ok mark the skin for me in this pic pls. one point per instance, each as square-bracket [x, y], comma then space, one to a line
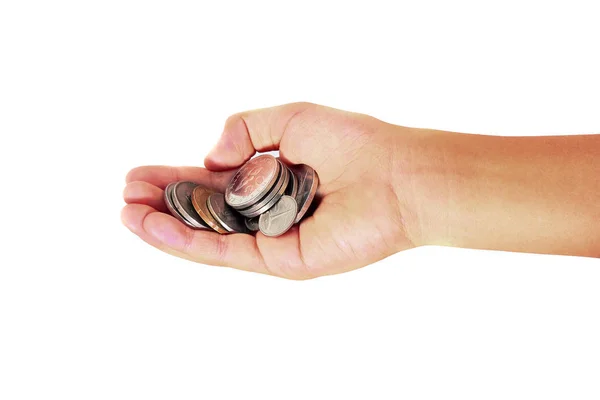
[385, 188]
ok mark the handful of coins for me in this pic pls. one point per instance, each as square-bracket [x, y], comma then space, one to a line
[264, 194]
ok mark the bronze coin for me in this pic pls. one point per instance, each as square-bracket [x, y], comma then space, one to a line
[199, 200]
[272, 197]
[308, 181]
[252, 181]
[224, 214]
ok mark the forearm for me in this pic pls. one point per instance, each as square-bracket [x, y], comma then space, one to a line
[526, 194]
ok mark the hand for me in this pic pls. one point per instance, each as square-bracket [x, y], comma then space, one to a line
[359, 219]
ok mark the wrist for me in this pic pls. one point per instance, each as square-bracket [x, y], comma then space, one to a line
[424, 175]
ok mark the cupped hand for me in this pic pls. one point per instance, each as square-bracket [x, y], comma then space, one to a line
[360, 217]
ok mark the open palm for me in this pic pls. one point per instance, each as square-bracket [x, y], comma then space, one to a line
[359, 218]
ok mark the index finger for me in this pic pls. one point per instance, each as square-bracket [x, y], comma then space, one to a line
[262, 130]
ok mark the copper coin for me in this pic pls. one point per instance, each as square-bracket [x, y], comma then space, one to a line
[199, 200]
[279, 219]
[181, 195]
[266, 207]
[261, 202]
[308, 182]
[224, 214]
[272, 197]
[252, 181]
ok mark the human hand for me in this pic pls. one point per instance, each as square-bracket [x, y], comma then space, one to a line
[359, 219]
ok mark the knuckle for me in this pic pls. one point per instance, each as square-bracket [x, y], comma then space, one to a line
[246, 123]
[302, 105]
[233, 119]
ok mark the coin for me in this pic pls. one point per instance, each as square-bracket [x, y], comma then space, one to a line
[224, 214]
[181, 195]
[279, 219]
[252, 181]
[169, 203]
[271, 198]
[270, 204]
[292, 188]
[267, 197]
[252, 224]
[169, 200]
[200, 197]
[308, 181]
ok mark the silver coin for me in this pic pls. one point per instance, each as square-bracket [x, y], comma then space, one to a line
[171, 207]
[169, 200]
[279, 219]
[264, 207]
[182, 200]
[292, 188]
[252, 224]
[224, 214]
[267, 206]
[271, 198]
[308, 181]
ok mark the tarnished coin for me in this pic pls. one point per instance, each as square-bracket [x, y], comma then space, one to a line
[224, 214]
[181, 195]
[279, 219]
[199, 200]
[270, 199]
[292, 188]
[252, 181]
[252, 224]
[308, 181]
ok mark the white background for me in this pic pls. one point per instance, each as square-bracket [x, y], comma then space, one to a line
[90, 89]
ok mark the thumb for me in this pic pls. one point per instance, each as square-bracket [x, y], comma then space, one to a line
[261, 130]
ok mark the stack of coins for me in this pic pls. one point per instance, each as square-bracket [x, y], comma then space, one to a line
[264, 194]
